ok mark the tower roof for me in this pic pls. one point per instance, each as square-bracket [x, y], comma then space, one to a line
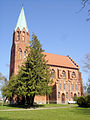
[21, 23]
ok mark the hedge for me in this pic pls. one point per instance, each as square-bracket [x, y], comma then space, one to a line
[83, 101]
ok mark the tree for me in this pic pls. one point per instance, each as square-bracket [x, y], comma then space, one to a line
[33, 77]
[86, 69]
[35, 72]
[3, 80]
[84, 4]
[9, 89]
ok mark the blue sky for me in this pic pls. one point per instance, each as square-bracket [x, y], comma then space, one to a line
[60, 29]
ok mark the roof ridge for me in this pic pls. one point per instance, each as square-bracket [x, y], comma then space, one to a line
[56, 54]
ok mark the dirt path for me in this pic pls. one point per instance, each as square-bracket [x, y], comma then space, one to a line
[35, 108]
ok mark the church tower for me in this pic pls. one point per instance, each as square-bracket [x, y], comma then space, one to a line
[20, 42]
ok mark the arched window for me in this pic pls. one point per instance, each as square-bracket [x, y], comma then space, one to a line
[64, 73]
[61, 86]
[20, 54]
[76, 87]
[58, 94]
[72, 87]
[18, 35]
[24, 54]
[52, 74]
[71, 95]
[23, 35]
[66, 94]
[64, 87]
[73, 74]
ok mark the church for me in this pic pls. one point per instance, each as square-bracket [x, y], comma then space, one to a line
[67, 81]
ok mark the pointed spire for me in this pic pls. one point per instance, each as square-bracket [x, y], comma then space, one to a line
[21, 23]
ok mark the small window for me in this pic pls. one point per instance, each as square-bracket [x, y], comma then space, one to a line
[20, 54]
[52, 74]
[73, 74]
[66, 94]
[64, 87]
[18, 36]
[58, 94]
[64, 73]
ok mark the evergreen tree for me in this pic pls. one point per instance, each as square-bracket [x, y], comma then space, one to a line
[35, 73]
[34, 77]
[9, 89]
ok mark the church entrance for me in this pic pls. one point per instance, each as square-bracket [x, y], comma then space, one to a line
[63, 98]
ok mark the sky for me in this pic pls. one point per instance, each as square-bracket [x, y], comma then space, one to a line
[58, 24]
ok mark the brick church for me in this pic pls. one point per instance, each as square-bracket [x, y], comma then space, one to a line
[67, 81]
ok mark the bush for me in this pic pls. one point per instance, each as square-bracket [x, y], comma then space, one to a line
[88, 101]
[84, 101]
[81, 101]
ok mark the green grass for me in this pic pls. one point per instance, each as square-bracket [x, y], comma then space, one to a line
[70, 113]
[4, 107]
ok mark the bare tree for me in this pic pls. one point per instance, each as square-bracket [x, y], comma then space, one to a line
[86, 69]
[86, 3]
[3, 80]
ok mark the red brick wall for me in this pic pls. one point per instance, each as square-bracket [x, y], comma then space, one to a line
[18, 45]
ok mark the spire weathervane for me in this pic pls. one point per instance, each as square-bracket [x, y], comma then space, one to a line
[21, 2]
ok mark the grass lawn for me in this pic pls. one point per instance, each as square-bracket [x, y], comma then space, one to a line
[70, 113]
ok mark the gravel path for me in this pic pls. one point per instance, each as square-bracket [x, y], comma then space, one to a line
[34, 109]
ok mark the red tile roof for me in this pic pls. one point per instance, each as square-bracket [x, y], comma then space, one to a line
[58, 60]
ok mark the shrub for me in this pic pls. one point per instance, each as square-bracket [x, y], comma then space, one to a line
[81, 101]
[84, 101]
[88, 100]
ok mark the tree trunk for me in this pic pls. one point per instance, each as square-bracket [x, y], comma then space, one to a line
[23, 100]
[27, 100]
[32, 100]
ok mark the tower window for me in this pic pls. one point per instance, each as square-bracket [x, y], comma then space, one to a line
[23, 35]
[18, 36]
[20, 54]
